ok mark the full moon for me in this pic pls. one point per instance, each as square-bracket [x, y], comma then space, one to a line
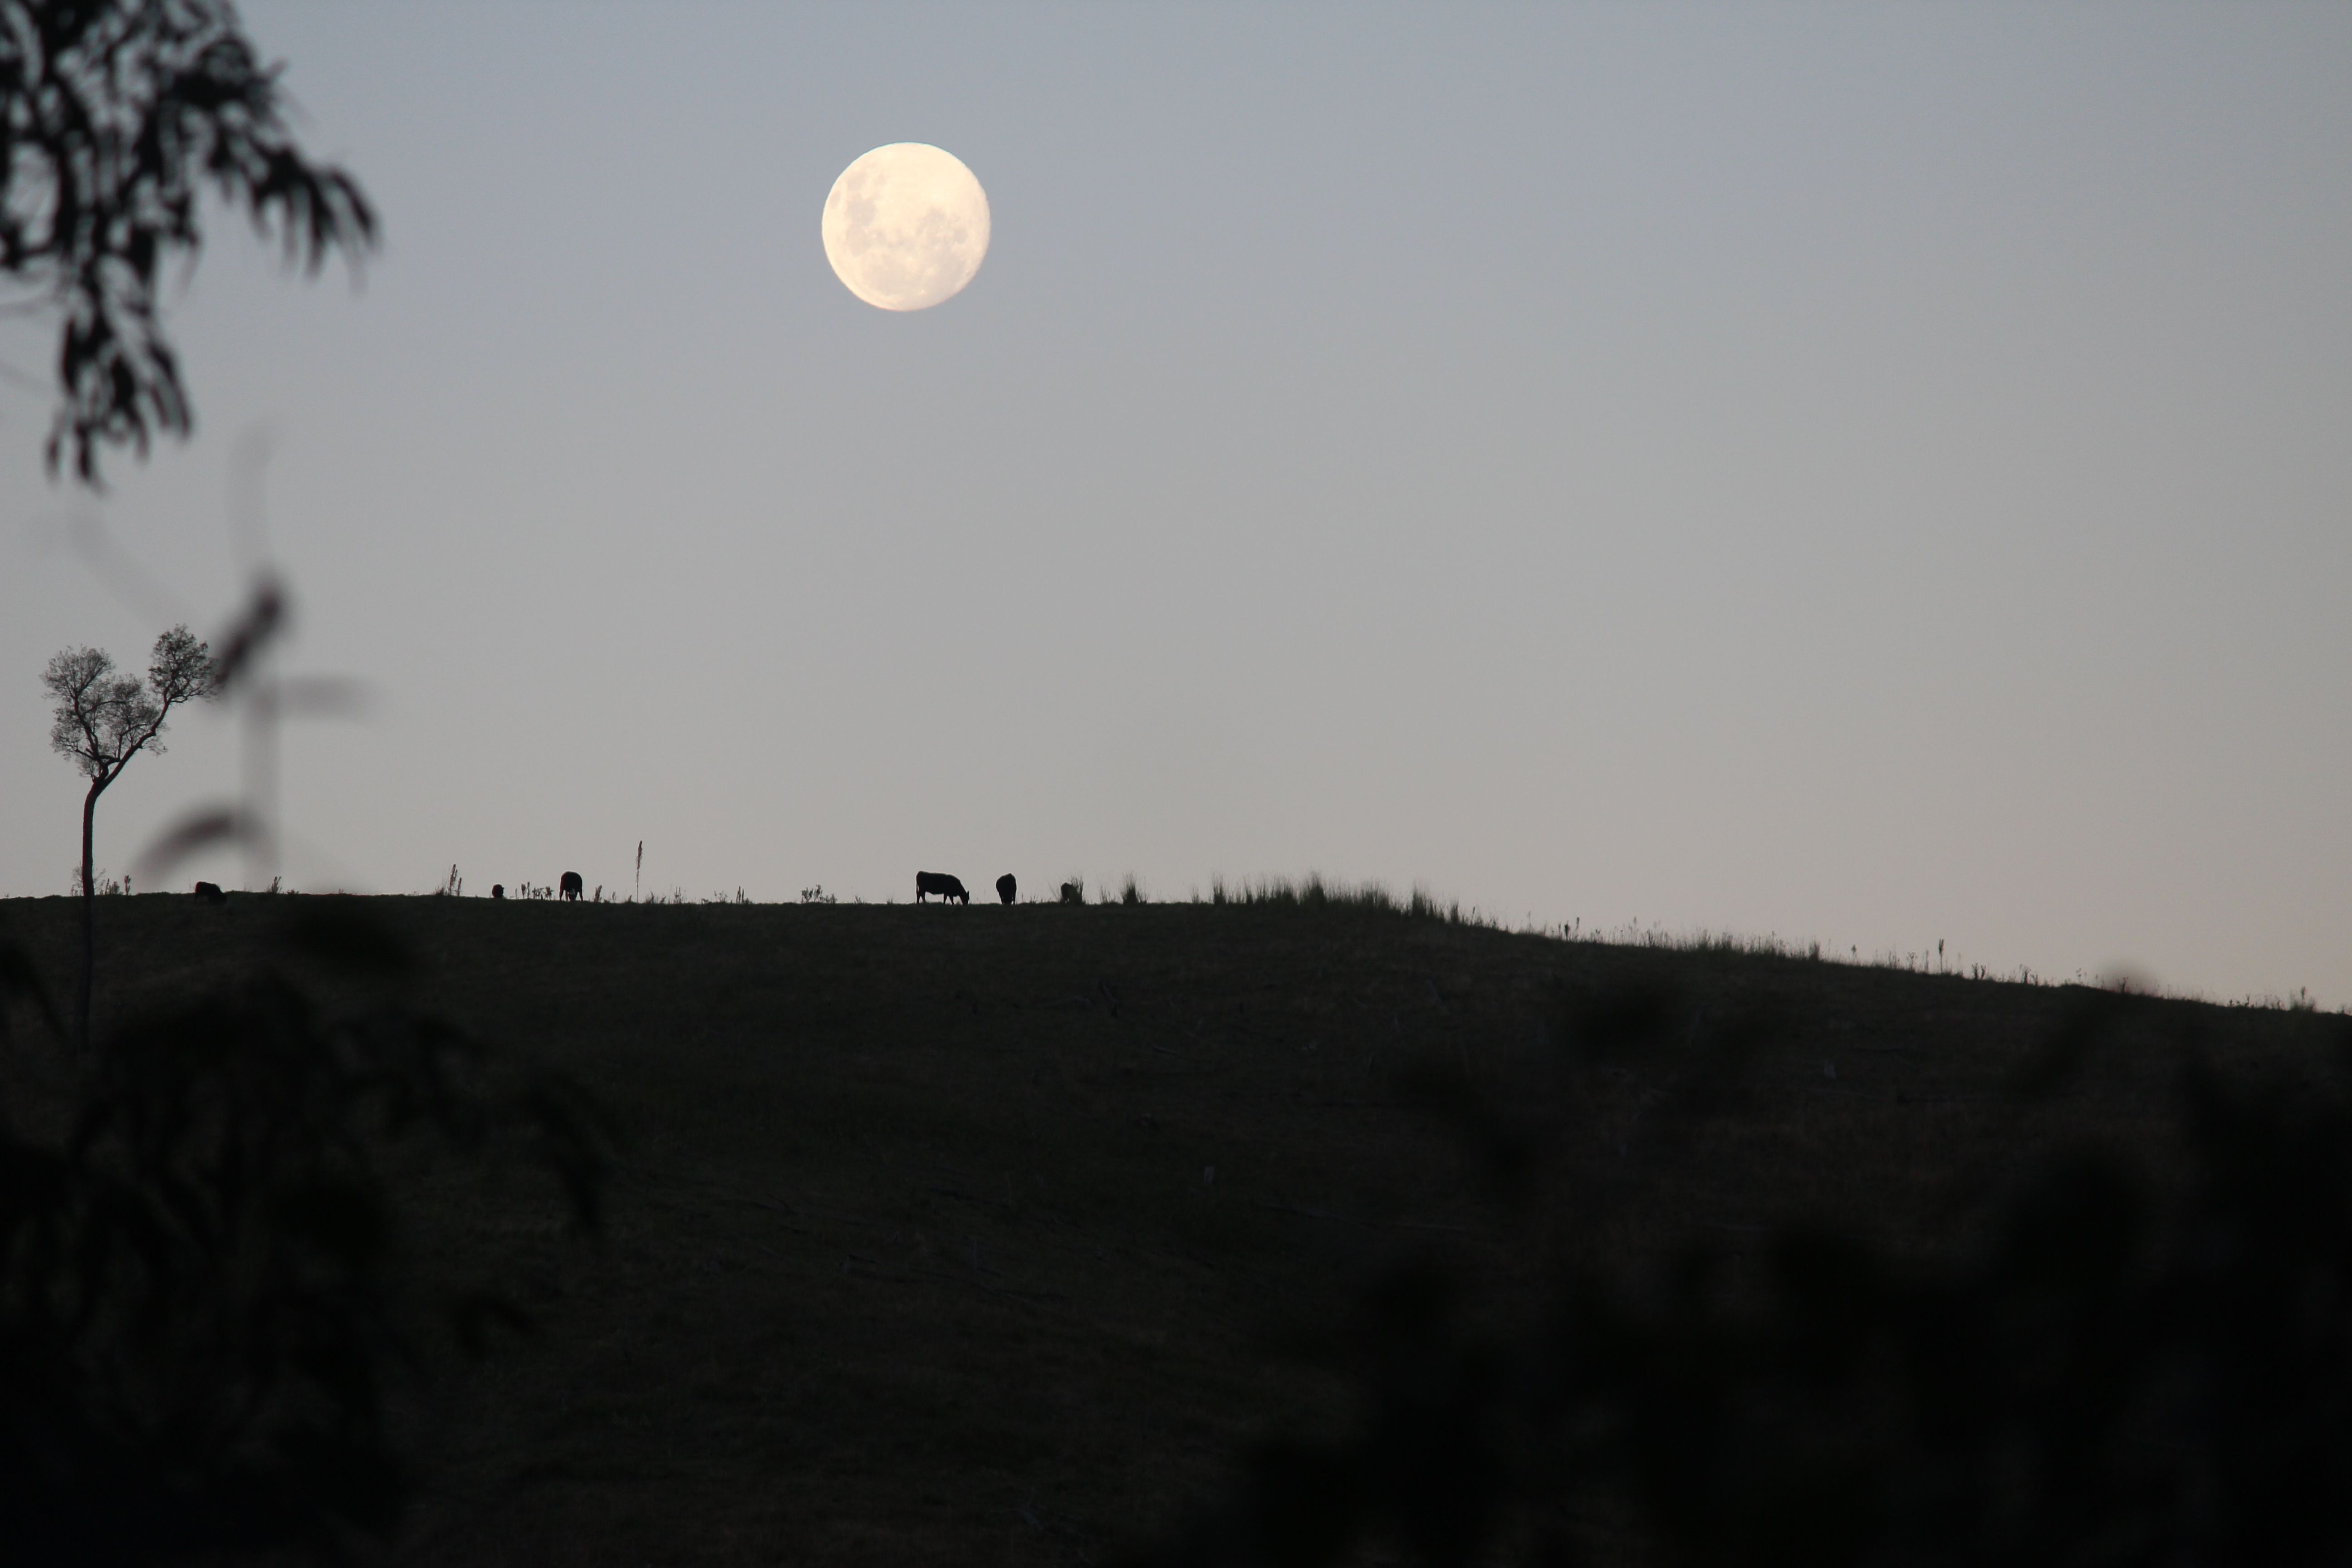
[906, 226]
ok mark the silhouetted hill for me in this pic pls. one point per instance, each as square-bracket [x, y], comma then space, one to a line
[994, 1234]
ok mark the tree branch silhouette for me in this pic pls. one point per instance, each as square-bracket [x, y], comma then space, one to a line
[115, 117]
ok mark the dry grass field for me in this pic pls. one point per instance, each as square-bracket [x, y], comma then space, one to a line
[996, 1235]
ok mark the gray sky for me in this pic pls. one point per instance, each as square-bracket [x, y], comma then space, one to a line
[1865, 474]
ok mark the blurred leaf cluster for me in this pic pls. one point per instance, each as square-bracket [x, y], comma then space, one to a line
[115, 116]
[213, 1325]
[2120, 1362]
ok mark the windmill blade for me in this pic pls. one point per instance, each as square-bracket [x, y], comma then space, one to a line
[198, 830]
[320, 696]
[263, 619]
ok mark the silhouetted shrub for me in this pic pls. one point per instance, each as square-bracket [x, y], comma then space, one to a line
[2128, 1364]
[1313, 893]
[209, 1309]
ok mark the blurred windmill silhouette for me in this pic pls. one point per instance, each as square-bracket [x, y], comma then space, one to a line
[244, 664]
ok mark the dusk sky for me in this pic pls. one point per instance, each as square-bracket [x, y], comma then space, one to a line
[1867, 474]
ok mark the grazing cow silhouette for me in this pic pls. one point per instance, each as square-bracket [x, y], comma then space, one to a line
[1005, 888]
[498, 889]
[570, 885]
[939, 883]
[210, 892]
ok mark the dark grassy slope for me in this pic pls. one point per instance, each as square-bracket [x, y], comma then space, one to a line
[912, 1256]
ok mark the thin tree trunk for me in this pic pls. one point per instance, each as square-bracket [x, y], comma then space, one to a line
[89, 911]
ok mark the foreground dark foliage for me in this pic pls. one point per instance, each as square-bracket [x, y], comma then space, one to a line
[210, 1310]
[2131, 1362]
[115, 116]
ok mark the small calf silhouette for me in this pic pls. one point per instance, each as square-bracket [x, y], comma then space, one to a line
[1073, 894]
[210, 893]
[498, 889]
[939, 883]
[570, 887]
[1005, 888]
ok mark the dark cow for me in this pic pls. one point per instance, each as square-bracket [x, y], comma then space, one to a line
[210, 892]
[1074, 893]
[1005, 888]
[498, 889]
[570, 885]
[939, 883]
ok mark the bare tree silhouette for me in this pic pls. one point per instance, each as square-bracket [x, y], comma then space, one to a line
[103, 721]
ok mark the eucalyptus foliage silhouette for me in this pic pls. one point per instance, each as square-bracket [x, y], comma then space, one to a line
[115, 115]
[210, 1304]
